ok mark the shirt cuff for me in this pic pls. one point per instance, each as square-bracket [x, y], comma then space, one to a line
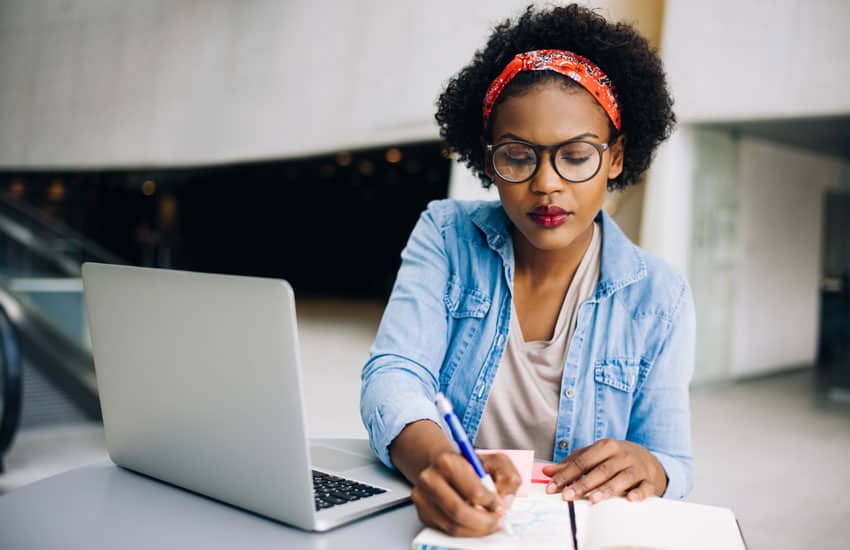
[390, 418]
[678, 476]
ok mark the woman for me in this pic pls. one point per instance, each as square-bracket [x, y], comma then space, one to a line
[542, 323]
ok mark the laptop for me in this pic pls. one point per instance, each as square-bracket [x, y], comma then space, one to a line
[199, 378]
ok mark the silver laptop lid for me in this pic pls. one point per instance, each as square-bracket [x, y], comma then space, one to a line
[200, 384]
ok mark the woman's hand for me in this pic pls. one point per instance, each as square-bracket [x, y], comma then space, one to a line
[449, 495]
[608, 468]
[447, 492]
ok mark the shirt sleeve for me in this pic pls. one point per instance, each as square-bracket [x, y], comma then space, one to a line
[400, 379]
[660, 416]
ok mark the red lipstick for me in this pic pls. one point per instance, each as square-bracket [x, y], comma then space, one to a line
[549, 216]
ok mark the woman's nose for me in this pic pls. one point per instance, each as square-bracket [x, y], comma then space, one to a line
[546, 180]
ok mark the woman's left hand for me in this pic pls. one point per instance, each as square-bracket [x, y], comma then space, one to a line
[605, 469]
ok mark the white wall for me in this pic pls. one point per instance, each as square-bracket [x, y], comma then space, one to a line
[733, 59]
[464, 185]
[777, 311]
[755, 232]
[666, 221]
[99, 83]
[712, 243]
[747, 221]
[162, 82]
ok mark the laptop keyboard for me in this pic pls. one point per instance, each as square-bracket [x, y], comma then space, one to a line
[331, 490]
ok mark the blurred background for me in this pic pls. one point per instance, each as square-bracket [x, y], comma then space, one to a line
[207, 135]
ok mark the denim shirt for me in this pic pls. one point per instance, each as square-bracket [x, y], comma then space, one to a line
[627, 368]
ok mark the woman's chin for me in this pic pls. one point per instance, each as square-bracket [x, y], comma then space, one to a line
[550, 240]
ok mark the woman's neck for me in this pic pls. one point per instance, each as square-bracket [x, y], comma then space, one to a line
[539, 267]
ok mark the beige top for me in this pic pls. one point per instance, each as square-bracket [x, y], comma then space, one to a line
[522, 409]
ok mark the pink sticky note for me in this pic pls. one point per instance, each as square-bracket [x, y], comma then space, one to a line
[537, 475]
[522, 459]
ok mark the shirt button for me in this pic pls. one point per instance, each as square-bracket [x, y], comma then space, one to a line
[563, 445]
[570, 392]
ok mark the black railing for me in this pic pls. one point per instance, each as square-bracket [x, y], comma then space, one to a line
[26, 333]
[49, 239]
[62, 360]
[10, 372]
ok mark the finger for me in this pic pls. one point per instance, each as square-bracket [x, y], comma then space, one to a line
[434, 517]
[504, 473]
[643, 491]
[438, 493]
[615, 486]
[600, 474]
[573, 467]
[552, 469]
[581, 462]
[459, 474]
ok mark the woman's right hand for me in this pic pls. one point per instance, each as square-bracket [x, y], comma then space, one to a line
[449, 495]
[446, 491]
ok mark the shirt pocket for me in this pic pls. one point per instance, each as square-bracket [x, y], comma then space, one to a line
[615, 381]
[464, 302]
[466, 308]
[619, 373]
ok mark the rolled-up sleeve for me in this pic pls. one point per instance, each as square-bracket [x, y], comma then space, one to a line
[660, 416]
[400, 379]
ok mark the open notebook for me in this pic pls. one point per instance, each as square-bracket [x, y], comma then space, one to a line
[541, 521]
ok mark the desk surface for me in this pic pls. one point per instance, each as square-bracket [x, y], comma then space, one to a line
[104, 506]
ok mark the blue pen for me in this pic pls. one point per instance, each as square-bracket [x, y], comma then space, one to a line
[444, 407]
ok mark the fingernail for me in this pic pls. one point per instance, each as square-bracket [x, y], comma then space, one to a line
[633, 497]
[552, 487]
[568, 493]
[594, 496]
[509, 500]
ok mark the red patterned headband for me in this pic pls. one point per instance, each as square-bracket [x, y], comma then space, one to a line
[569, 64]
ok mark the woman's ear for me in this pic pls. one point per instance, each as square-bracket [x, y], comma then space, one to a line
[617, 152]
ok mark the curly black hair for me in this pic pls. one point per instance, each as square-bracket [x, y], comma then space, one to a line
[625, 56]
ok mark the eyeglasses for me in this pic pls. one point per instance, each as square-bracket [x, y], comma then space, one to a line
[574, 160]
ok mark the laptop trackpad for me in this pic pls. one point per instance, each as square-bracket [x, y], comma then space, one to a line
[337, 460]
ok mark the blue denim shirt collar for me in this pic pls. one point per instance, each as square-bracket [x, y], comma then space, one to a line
[622, 261]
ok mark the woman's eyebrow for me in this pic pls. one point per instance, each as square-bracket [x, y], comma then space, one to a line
[514, 136]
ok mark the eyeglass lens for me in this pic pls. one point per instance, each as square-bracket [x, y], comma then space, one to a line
[575, 161]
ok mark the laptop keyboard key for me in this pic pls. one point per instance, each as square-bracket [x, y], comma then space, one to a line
[329, 490]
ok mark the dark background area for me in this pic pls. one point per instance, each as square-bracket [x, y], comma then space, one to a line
[332, 225]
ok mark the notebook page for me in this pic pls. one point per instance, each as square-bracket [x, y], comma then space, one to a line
[539, 522]
[659, 524]
[582, 508]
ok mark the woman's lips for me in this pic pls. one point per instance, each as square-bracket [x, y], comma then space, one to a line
[549, 216]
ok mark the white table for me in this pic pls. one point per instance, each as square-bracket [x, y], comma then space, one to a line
[104, 506]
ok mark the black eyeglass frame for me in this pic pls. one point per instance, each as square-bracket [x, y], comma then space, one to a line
[552, 149]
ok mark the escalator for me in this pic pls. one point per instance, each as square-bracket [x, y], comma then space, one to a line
[46, 368]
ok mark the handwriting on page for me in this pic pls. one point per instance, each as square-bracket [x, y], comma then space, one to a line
[539, 522]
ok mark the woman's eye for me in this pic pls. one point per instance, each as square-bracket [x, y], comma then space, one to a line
[521, 156]
[575, 159]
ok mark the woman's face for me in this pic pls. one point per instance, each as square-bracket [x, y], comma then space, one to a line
[548, 114]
